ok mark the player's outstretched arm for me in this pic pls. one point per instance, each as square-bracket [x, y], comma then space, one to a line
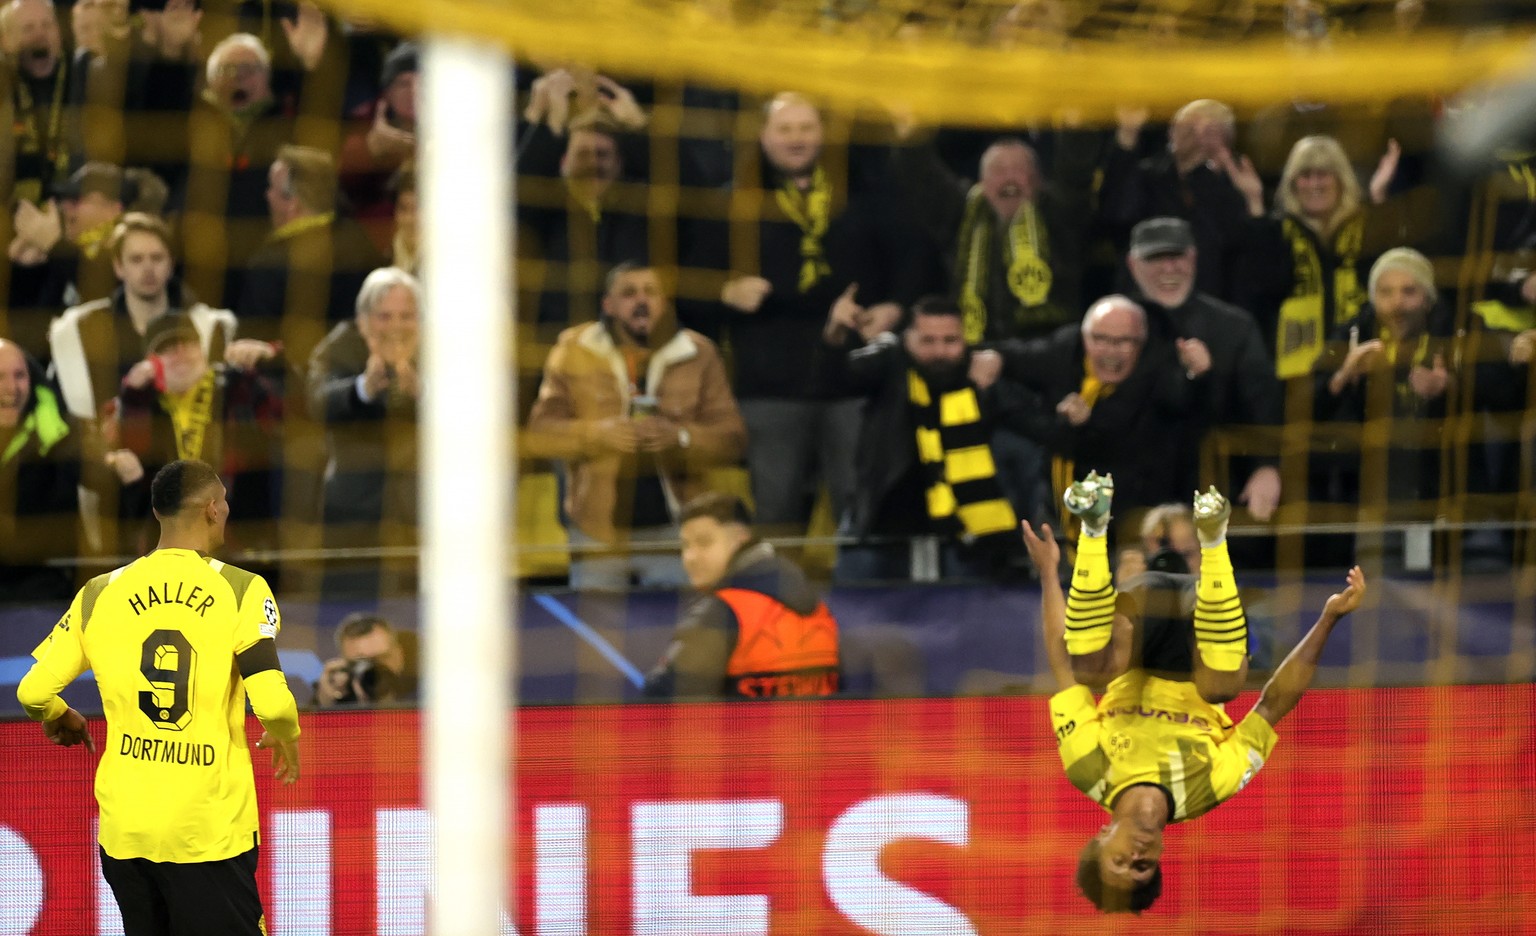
[1046, 554]
[1285, 688]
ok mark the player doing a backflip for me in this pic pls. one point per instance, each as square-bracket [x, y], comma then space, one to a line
[1157, 747]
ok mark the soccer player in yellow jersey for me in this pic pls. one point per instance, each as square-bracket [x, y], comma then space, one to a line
[1157, 747]
[177, 640]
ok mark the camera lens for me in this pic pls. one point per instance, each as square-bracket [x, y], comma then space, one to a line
[365, 674]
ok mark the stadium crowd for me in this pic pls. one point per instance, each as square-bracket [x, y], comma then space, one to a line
[213, 249]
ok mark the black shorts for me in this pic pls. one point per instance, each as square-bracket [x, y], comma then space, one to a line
[163, 898]
[1165, 633]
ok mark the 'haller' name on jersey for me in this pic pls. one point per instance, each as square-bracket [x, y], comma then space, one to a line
[194, 599]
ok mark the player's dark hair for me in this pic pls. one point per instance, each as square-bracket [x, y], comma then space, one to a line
[359, 624]
[177, 482]
[1113, 899]
[718, 506]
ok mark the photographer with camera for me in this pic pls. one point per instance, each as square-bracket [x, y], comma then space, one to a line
[378, 664]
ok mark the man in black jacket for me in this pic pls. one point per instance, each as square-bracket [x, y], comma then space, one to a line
[1113, 403]
[787, 247]
[924, 464]
[1224, 359]
[758, 630]
[1192, 180]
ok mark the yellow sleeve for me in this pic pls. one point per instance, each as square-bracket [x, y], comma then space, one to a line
[1075, 718]
[256, 631]
[60, 660]
[258, 616]
[273, 703]
[1239, 757]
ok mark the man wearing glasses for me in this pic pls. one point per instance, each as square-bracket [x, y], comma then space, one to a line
[1110, 399]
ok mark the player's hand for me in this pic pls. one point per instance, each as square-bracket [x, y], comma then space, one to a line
[1044, 551]
[69, 730]
[1347, 600]
[285, 757]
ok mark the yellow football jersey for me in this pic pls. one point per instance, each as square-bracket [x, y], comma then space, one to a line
[176, 641]
[1152, 730]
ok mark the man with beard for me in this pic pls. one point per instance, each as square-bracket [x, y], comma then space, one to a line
[924, 463]
[44, 93]
[638, 410]
[1015, 262]
[1389, 369]
[1223, 357]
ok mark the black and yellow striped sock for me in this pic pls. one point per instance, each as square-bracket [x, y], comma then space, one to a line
[1221, 627]
[1091, 597]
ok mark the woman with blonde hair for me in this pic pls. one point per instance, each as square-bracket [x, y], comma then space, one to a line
[1302, 274]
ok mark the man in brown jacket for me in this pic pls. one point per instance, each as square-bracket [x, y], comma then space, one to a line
[638, 409]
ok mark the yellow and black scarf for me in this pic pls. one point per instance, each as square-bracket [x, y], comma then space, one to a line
[191, 414]
[811, 210]
[41, 138]
[1304, 320]
[1026, 251]
[953, 449]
